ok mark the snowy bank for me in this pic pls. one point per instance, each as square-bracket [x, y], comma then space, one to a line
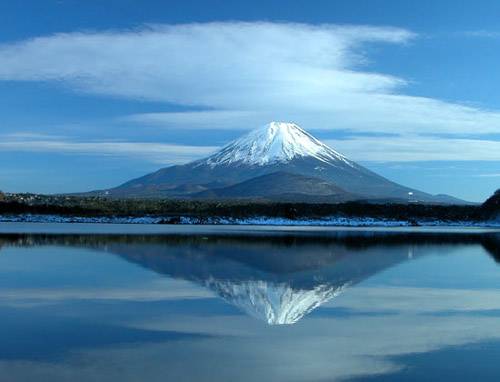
[334, 221]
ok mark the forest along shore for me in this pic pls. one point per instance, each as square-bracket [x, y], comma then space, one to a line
[65, 209]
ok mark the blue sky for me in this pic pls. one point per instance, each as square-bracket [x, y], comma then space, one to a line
[94, 93]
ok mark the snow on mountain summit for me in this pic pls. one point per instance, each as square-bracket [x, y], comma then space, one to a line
[275, 142]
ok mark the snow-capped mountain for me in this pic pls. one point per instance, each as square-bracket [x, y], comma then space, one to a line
[277, 148]
[277, 142]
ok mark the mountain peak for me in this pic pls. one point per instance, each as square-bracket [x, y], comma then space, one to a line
[276, 142]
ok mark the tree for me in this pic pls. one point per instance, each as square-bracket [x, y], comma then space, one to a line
[491, 207]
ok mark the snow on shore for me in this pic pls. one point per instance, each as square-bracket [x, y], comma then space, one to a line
[333, 221]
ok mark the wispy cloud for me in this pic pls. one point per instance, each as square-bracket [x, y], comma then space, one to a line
[243, 75]
[491, 175]
[360, 148]
[163, 153]
[482, 33]
[417, 148]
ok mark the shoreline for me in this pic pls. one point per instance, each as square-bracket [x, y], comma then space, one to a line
[332, 221]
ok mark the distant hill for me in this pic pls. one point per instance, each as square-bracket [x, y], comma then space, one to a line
[277, 148]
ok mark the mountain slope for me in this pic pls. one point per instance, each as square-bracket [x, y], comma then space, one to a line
[281, 186]
[276, 148]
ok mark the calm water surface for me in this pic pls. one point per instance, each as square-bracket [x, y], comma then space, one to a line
[157, 303]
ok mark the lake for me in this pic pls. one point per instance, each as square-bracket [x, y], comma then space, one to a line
[205, 303]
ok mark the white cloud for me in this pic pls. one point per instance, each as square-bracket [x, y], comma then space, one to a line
[164, 153]
[358, 148]
[213, 65]
[417, 148]
[246, 74]
[357, 112]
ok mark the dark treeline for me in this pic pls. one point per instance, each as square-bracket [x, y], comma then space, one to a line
[98, 206]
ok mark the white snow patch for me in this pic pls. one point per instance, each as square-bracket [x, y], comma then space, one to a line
[33, 218]
[276, 142]
[332, 221]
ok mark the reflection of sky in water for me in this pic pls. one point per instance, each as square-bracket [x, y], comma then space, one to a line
[113, 311]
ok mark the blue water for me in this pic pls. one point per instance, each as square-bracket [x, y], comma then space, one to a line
[158, 303]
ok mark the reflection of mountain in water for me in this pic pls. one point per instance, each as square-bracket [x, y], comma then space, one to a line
[278, 278]
[273, 303]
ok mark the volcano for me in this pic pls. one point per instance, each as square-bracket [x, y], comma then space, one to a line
[279, 161]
